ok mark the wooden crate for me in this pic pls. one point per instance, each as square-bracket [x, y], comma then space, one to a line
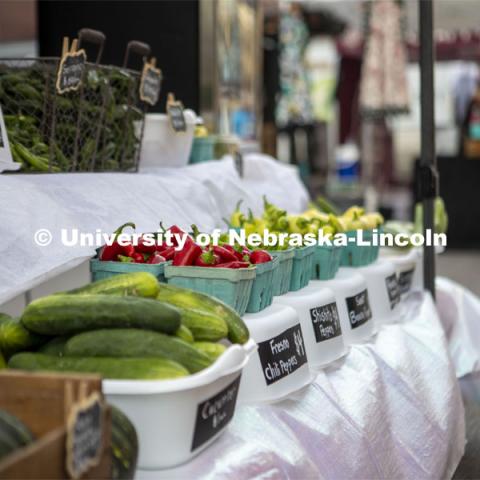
[43, 403]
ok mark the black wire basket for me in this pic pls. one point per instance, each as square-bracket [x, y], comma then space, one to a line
[99, 127]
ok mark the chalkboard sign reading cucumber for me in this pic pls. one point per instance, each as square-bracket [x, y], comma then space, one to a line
[175, 114]
[71, 69]
[150, 82]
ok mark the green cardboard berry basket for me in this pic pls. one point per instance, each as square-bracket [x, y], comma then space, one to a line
[354, 255]
[326, 262]
[100, 269]
[232, 286]
[262, 290]
[301, 267]
[281, 279]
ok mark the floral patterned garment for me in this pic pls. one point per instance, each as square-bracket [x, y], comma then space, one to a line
[294, 106]
[383, 85]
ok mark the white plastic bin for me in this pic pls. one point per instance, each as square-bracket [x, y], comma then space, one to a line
[162, 146]
[177, 419]
[318, 314]
[279, 367]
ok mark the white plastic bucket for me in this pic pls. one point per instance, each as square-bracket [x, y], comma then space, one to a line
[383, 291]
[353, 303]
[318, 313]
[280, 364]
[162, 146]
[177, 419]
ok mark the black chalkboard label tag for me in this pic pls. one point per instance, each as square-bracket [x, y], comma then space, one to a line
[405, 280]
[282, 355]
[358, 307]
[326, 322]
[175, 114]
[84, 436]
[215, 413]
[150, 83]
[393, 290]
[71, 69]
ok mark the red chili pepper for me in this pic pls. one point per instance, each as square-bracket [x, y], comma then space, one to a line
[260, 256]
[178, 231]
[156, 258]
[187, 255]
[128, 250]
[207, 259]
[141, 247]
[110, 252]
[238, 251]
[235, 264]
[138, 257]
[224, 254]
[168, 253]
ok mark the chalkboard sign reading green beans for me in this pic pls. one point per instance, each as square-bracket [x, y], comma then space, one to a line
[71, 68]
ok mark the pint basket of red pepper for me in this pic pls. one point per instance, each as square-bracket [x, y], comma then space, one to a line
[115, 259]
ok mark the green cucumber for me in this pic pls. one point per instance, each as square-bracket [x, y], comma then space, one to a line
[14, 337]
[140, 284]
[131, 342]
[112, 368]
[189, 299]
[55, 347]
[69, 314]
[124, 446]
[184, 333]
[13, 434]
[211, 349]
[204, 325]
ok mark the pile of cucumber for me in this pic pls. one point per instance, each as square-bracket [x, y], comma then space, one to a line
[123, 327]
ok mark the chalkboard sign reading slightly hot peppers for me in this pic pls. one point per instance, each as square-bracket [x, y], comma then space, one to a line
[71, 69]
[150, 82]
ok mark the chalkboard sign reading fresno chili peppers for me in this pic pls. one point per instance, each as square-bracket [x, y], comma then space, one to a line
[393, 290]
[175, 114]
[405, 280]
[326, 322]
[282, 355]
[358, 308]
[71, 69]
[84, 436]
[215, 413]
[150, 82]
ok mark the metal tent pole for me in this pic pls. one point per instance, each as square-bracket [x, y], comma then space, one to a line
[428, 163]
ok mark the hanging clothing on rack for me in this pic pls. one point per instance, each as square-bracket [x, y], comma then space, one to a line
[383, 85]
[294, 106]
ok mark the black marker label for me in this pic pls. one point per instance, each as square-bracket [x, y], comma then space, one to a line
[326, 322]
[405, 280]
[282, 355]
[358, 307]
[215, 413]
[393, 290]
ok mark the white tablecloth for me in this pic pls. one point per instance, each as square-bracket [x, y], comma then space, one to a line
[390, 409]
[201, 194]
